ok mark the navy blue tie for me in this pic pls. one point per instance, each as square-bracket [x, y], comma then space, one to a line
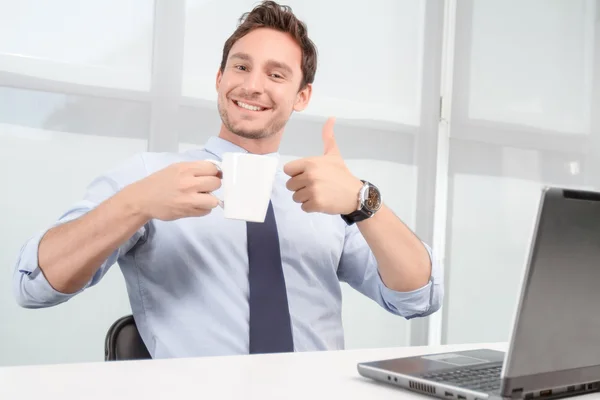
[270, 325]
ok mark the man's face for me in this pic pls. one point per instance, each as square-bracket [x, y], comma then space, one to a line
[259, 87]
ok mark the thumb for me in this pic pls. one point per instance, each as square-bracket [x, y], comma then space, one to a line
[329, 143]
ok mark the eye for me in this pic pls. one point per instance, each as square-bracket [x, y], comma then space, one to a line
[276, 76]
[241, 67]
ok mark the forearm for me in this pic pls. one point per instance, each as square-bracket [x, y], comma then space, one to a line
[71, 253]
[402, 259]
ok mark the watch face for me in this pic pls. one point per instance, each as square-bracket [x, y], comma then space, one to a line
[373, 199]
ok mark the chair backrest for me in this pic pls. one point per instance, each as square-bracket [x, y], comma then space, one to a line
[123, 341]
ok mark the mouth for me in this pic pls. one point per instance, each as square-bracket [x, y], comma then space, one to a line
[249, 107]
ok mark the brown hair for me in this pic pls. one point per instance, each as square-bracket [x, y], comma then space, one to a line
[269, 14]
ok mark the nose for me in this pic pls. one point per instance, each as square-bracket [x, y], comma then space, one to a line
[254, 82]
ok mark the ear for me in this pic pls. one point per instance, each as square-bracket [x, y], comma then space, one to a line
[303, 98]
[219, 76]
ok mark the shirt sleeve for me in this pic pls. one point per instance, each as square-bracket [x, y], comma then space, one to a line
[31, 289]
[358, 268]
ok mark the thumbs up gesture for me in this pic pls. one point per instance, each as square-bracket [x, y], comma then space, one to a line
[324, 183]
[329, 143]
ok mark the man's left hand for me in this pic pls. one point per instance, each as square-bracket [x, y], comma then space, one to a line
[324, 184]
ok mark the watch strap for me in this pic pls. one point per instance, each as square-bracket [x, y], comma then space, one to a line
[356, 216]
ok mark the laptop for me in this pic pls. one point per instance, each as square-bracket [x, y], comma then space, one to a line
[554, 345]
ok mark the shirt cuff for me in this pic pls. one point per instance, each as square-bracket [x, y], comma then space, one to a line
[414, 303]
[32, 288]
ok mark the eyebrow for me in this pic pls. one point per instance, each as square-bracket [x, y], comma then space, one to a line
[241, 56]
[271, 63]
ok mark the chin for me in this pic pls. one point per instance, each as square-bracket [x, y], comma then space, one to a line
[250, 127]
[247, 133]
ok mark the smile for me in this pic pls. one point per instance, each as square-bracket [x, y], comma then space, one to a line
[249, 106]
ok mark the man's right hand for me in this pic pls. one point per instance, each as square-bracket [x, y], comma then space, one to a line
[70, 254]
[177, 191]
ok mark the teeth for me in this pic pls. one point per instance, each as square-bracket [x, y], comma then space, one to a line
[249, 107]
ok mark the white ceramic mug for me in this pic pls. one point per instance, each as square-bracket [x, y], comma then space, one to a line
[246, 186]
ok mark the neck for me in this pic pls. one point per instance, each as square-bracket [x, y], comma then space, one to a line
[255, 146]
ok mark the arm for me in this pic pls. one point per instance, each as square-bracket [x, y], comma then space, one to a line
[70, 254]
[73, 253]
[360, 269]
[382, 258]
[56, 264]
[54, 250]
[402, 259]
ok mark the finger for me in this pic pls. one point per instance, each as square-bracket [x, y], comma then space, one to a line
[329, 143]
[219, 201]
[204, 184]
[309, 206]
[199, 212]
[295, 167]
[296, 183]
[302, 195]
[205, 201]
[204, 168]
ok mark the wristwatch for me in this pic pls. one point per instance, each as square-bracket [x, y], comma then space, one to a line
[369, 202]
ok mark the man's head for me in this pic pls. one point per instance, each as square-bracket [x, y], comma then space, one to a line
[266, 73]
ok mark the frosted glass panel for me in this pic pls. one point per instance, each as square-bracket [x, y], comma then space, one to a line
[530, 63]
[103, 43]
[77, 114]
[492, 221]
[525, 95]
[493, 201]
[371, 72]
[51, 147]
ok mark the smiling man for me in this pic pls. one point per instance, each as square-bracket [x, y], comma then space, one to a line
[259, 87]
[200, 284]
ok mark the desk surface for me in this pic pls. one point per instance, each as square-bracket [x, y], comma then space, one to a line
[317, 375]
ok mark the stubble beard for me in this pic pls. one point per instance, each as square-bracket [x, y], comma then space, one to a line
[272, 128]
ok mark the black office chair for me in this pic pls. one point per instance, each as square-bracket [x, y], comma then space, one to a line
[123, 341]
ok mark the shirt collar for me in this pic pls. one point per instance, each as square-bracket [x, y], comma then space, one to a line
[218, 146]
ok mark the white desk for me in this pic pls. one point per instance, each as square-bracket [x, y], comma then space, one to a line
[319, 375]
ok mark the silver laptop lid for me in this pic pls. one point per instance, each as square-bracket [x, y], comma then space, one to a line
[556, 333]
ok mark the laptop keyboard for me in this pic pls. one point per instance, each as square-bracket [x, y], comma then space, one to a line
[486, 379]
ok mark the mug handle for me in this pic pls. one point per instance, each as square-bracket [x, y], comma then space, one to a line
[218, 165]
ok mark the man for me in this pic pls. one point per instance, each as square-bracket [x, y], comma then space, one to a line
[200, 284]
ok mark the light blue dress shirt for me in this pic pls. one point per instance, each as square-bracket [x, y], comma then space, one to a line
[187, 279]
